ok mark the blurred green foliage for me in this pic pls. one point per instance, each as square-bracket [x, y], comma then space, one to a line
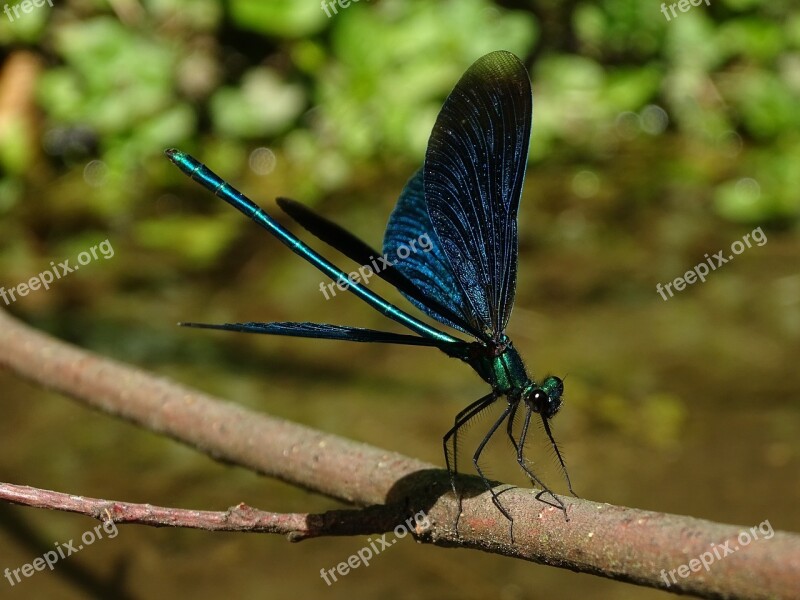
[329, 94]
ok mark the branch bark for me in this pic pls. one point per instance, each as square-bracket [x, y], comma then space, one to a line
[621, 543]
[242, 518]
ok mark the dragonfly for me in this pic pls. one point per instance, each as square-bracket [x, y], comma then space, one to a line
[465, 198]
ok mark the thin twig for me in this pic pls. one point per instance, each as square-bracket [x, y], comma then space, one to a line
[611, 541]
[242, 518]
[236, 518]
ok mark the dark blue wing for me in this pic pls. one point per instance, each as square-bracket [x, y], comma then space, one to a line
[334, 332]
[473, 175]
[329, 232]
[356, 249]
[426, 266]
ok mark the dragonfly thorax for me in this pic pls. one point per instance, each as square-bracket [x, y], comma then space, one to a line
[500, 366]
[506, 373]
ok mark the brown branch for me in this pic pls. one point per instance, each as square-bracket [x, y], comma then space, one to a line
[236, 518]
[242, 518]
[616, 542]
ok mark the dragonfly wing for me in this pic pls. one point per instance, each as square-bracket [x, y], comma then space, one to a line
[332, 332]
[473, 176]
[356, 249]
[426, 264]
[329, 232]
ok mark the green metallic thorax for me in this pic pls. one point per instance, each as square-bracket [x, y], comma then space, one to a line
[505, 372]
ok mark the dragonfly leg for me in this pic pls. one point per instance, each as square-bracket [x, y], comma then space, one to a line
[510, 425]
[461, 419]
[523, 463]
[558, 454]
[476, 458]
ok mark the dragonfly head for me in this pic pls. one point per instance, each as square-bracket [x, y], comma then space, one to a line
[545, 398]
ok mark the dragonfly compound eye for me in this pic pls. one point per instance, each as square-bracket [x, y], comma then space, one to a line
[546, 399]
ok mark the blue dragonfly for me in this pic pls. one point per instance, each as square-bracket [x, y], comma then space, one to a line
[465, 199]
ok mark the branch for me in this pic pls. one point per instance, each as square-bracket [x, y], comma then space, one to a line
[616, 542]
[242, 518]
[236, 518]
